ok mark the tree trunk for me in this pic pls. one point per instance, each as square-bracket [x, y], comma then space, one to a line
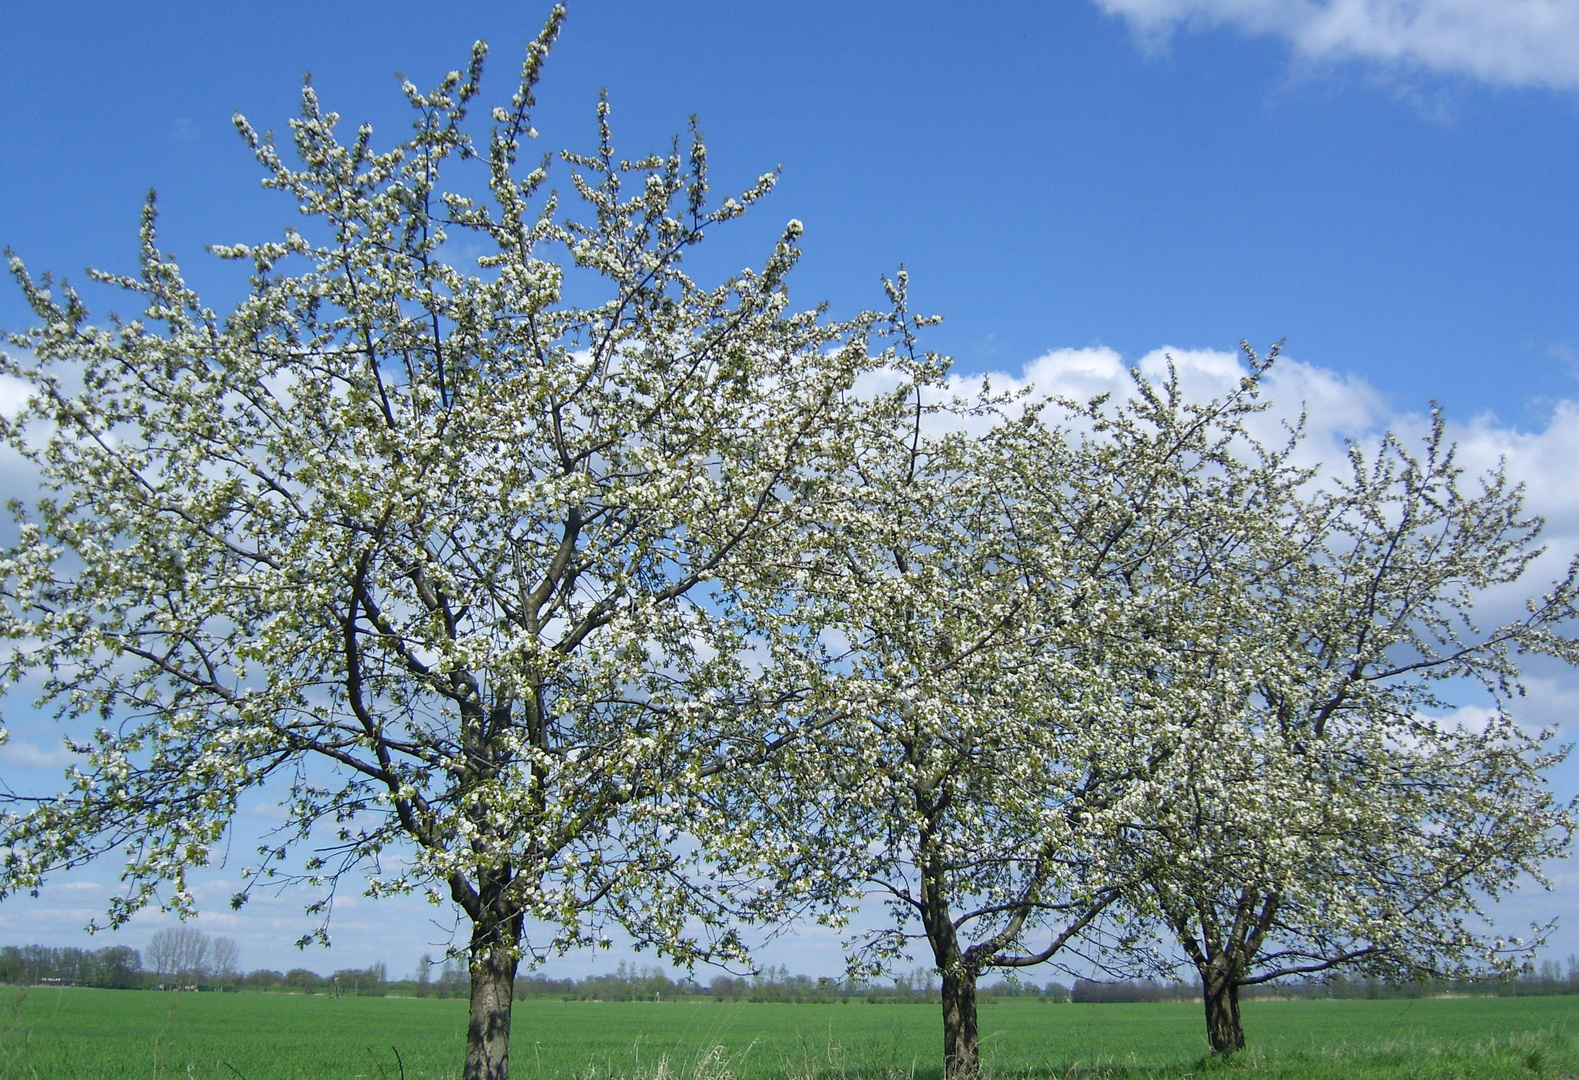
[961, 1043]
[493, 965]
[1220, 989]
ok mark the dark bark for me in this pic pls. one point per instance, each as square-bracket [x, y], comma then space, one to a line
[493, 966]
[1224, 952]
[1220, 990]
[961, 1041]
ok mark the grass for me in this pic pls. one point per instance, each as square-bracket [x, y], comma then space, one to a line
[73, 1034]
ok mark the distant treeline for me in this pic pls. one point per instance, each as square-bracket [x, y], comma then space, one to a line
[116, 967]
[120, 967]
[630, 983]
[1547, 978]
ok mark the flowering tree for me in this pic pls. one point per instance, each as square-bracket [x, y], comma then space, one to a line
[934, 786]
[1323, 814]
[1125, 648]
[473, 575]
[998, 604]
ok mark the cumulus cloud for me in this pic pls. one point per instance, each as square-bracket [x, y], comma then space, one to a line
[1471, 718]
[1516, 43]
[1541, 460]
[1335, 410]
[14, 394]
[1332, 407]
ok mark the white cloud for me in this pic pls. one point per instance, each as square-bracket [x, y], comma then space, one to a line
[1337, 409]
[95, 887]
[14, 394]
[1080, 374]
[21, 754]
[1518, 43]
[1475, 719]
[1334, 407]
[1542, 460]
[1551, 698]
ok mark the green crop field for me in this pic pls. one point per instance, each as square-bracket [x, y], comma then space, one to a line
[70, 1034]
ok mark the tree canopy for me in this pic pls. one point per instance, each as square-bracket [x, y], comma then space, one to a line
[482, 577]
[1335, 812]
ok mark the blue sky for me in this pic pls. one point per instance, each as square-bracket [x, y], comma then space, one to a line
[1049, 176]
[1388, 186]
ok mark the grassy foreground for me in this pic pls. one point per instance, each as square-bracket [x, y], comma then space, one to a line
[74, 1034]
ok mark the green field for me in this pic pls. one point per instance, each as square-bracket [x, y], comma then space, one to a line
[73, 1034]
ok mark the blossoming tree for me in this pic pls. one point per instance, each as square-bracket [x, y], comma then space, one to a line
[1001, 591]
[473, 577]
[935, 788]
[1325, 814]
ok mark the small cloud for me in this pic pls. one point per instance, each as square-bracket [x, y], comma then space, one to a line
[1564, 353]
[1078, 374]
[1510, 43]
[95, 887]
[27, 755]
[1550, 700]
[13, 395]
[183, 130]
[1475, 719]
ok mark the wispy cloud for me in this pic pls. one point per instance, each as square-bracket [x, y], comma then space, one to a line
[19, 753]
[183, 130]
[1514, 43]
